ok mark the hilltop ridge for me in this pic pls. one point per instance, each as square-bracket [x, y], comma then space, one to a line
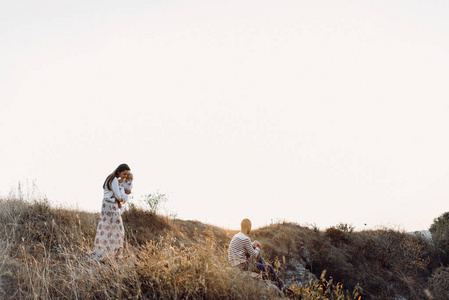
[44, 255]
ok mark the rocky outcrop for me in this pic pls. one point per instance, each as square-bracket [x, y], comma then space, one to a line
[297, 273]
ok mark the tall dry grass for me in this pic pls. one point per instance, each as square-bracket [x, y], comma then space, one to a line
[43, 256]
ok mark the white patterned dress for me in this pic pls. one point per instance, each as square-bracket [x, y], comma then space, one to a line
[110, 234]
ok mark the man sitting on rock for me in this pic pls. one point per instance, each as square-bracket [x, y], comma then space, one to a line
[241, 250]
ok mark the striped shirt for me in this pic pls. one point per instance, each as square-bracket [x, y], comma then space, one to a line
[239, 246]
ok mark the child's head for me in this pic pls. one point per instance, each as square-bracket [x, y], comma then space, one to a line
[129, 177]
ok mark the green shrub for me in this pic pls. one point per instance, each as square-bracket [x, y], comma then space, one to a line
[155, 201]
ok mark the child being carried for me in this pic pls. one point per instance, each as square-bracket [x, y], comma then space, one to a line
[127, 184]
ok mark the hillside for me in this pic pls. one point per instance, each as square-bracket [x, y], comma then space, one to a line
[43, 255]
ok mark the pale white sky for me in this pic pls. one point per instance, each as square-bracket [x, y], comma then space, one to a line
[309, 111]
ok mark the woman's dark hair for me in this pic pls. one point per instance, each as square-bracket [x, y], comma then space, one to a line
[121, 168]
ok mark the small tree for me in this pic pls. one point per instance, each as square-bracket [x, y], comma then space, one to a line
[348, 230]
[155, 201]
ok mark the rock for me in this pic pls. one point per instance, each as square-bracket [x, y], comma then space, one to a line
[267, 285]
[297, 273]
[305, 255]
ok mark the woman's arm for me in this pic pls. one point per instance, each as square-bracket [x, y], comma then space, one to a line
[116, 190]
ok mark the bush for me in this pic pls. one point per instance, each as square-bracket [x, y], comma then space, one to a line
[404, 254]
[348, 230]
[439, 283]
[155, 201]
[336, 236]
[440, 235]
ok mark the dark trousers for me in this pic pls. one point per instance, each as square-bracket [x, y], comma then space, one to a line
[267, 270]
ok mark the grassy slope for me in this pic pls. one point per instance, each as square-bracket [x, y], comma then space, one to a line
[43, 255]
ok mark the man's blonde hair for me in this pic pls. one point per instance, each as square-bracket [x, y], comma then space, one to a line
[245, 225]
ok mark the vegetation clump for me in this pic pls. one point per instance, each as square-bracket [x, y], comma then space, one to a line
[440, 236]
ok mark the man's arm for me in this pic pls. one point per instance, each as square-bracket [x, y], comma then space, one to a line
[256, 244]
[253, 252]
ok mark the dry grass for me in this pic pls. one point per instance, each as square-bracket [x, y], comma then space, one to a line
[43, 255]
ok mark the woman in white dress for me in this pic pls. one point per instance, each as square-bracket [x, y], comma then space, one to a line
[110, 232]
